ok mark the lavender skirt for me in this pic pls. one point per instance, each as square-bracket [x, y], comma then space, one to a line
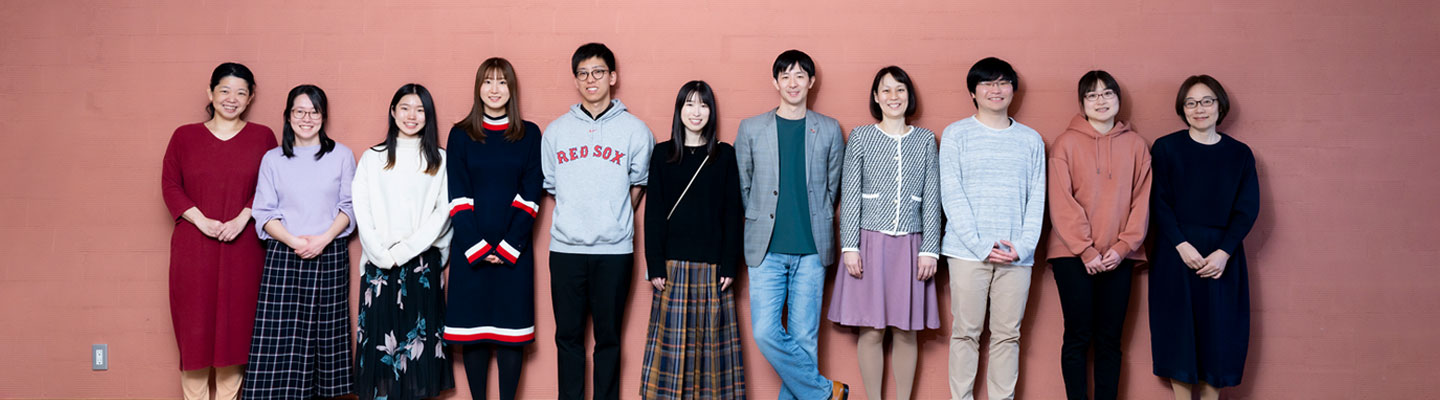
[888, 293]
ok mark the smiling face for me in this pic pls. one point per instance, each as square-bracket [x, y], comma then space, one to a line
[1101, 103]
[994, 95]
[305, 120]
[1201, 117]
[592, 89]
[694, 114]
[230, 97]
[495, 92]
[893, 97]
[794, 85]
[409, 114]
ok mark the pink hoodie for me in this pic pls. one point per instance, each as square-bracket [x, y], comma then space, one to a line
[1099, 192]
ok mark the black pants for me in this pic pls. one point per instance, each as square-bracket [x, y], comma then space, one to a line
[477, 368]
[1094, 308]
[596, 285]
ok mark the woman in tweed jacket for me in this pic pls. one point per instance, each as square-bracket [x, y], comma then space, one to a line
[889, 234]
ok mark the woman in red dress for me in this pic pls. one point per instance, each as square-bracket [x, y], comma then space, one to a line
[208, 180]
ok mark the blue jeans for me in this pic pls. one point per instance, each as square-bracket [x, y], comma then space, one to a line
[792, 352]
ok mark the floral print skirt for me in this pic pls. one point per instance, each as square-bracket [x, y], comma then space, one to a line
[400, 354]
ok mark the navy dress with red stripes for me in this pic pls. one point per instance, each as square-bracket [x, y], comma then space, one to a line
[494, 197]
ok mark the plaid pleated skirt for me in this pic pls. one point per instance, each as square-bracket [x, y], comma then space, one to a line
[301, 345]
[692, 350]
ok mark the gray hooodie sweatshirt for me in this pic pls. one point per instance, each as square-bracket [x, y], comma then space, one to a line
[590, 165]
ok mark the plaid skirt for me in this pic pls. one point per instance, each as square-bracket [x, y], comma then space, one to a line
[693, 349]
[301, 344]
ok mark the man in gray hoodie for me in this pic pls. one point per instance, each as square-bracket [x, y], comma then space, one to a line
[596, 159]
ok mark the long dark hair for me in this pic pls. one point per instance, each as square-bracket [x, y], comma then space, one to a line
[230, 69]
[677, 128]
[429, 135]
[473, 123]
[287, 134]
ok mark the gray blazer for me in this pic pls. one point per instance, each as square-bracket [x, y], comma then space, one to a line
[757, 152]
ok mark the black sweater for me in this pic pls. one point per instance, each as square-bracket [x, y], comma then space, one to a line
[494, 194]
[1201, 185]
[706, 226]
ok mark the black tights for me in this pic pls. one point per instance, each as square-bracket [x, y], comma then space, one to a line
[477, 368]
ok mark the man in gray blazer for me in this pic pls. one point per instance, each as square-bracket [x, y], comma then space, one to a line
[790, 160]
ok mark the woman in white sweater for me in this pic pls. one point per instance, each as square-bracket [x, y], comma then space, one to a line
[401, 211]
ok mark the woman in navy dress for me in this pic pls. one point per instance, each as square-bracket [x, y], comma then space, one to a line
[1204, 202]
[494, 166]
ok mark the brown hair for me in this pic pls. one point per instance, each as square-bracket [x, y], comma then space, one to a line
[472, 124]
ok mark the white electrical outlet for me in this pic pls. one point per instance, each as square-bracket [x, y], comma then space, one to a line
[99, 357]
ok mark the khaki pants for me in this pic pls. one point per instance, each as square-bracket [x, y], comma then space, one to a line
[196, 383]
[1006, 287]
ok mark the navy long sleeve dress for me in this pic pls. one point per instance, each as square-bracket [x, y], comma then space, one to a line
[494, 198]
[1209, 196]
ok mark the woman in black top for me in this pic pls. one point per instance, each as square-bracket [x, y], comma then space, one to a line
[692, 247]
[1204, 200]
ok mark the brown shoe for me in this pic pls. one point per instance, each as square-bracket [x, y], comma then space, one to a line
[839, 390]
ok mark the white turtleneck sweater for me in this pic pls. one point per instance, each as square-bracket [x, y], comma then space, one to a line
[402, 211]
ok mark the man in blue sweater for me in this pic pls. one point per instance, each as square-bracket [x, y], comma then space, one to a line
[790, 160]
[992, 187]
[596, 160]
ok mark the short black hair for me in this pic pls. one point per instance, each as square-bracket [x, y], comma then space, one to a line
[1087, 84]
[791, 58]
[1222, 100]
[591, 50]
[989, 69]
[229, 69]
[904, 79]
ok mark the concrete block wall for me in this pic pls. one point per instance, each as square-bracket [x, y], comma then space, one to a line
[1337, 99]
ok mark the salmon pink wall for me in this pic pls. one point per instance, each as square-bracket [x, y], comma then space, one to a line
[1337, 98]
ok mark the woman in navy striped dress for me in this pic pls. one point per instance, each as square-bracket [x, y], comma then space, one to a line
[494, 165]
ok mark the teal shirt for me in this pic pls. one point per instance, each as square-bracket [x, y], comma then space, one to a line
[792, 233]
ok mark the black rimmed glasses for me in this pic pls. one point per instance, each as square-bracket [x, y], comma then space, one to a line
[1206, 101]
[597, 74]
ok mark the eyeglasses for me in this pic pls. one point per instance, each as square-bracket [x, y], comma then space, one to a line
[303, 114]
[996, 84]
[1096, 96]
[597, 74]
[1206, 101]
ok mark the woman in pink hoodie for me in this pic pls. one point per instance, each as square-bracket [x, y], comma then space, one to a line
[1099, 188]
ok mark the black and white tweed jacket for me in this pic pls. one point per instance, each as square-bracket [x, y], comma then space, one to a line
[891, 185]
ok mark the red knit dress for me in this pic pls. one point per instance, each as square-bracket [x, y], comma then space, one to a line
[213, 285]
